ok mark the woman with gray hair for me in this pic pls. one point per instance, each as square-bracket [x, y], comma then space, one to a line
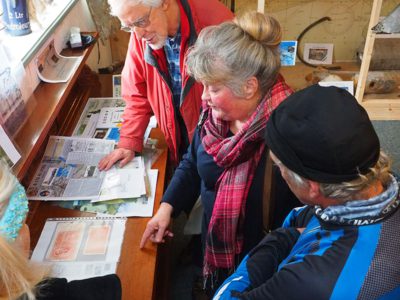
[238, 63]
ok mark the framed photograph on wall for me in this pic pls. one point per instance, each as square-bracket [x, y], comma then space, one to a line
[288, 53]
[116, 83]
[318, 54]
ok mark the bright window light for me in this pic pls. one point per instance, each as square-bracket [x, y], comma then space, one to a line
[43, 21]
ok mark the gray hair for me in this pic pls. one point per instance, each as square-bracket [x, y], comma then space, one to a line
[232, 52]
[350, 190]
[117, 6]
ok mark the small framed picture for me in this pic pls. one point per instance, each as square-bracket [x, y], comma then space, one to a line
[346, 85]
[318, 54]
[288, 51]
[116, 80]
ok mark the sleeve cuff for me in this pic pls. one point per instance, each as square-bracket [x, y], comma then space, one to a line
[134, 144]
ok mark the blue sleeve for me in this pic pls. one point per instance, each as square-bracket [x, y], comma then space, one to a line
[237, 282]
[298, 217]
[260, 264]
[184, 188]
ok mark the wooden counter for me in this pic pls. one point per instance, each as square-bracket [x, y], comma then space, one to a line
[137, 268]
[54, 110]
[43, 109]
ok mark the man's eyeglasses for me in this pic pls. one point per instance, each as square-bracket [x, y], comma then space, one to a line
[141, 23]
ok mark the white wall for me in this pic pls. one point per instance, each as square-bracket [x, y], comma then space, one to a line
[80, 17]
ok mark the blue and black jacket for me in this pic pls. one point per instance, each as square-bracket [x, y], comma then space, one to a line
[334, 258]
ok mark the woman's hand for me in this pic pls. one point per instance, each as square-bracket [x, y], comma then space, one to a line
[122, 154]
[157, 228]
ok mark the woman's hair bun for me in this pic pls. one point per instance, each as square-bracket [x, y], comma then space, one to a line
[263, 28]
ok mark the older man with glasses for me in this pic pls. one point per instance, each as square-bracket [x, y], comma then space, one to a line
[154, 80]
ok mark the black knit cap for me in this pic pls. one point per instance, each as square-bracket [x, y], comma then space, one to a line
[323, 134]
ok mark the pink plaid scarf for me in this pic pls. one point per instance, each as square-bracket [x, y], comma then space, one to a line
[239, 156]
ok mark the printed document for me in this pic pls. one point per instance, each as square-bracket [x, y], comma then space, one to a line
[53, 67]
[90, 124]
[8, 152]
[68, 170]
[78, 248]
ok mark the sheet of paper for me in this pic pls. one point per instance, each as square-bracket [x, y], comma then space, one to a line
[346, 85]
[89, 125]
[138, 207]
[79, 240]
[78, 248]
[90, 128]
[7, 149]
[66, 242]
[129, 207]
[102, 118]
[110, 117]
[82, 270]
[12, 105]
[126, 182]
[53, 67]
[152, 124]
[116, 80]
[68, 170]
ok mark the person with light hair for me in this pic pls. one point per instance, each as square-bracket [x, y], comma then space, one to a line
[154, 80]
[344, 243]
[17, 276]
[238, 64]
[23, 279]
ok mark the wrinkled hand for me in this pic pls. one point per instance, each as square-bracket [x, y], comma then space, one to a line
[157, 228]
[119, 154]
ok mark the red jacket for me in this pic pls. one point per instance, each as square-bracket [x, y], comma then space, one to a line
[145, 81]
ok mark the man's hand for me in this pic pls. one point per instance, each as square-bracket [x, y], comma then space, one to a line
[119, 154]
[157, 228]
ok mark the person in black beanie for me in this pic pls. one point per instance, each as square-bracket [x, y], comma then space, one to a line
[343, 244]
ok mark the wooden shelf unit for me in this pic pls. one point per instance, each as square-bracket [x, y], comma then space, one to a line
[45, 109]
[379, 107]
